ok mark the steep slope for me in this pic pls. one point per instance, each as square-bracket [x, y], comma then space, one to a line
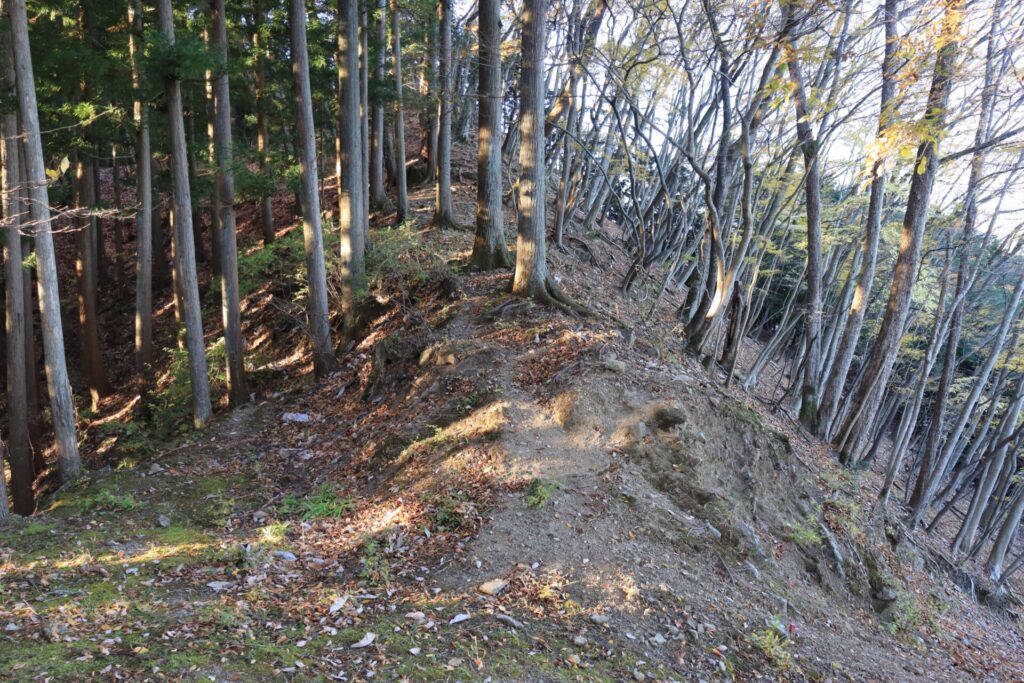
[492, 490]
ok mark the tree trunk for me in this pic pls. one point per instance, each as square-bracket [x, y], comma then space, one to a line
[262, 128]
[352, 216]
[86, 276]
[319, 317]
[59, 388]
[230, 307]
[144, 217]
[862, 402]
[378, 199]
[184, 245]
[530, 277]
[19, 443]
[489, 248]
[812, 192]
[401, 180]
[443, 216]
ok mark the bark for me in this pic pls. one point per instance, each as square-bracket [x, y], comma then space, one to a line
[489, 248]
[401, 177]
[262, 127]
[443, 216]
[230, 306]
[873, 228]
[812, 191]
[59, 388]
[18, 442]
[530, 277]
[184, 245]
[85, 277]
[378, 199]
[324, 361]
[863, 400]
[144, 215]
[352, 217]
[5, 513]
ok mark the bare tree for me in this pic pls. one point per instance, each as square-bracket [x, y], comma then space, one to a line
[401, 182]
[144, 216]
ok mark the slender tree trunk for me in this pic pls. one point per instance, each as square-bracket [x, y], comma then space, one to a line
[324, 361]
[862, 402]
[401, 180]
[184, 245]
[352, 215]
[812, 185]
[144, 216]
[19, 443]
[5, 513]
[443, 216]
[61, 403]
[230, 306]
[262, 128]
[378, 199]
[489, 248]
[86, 275]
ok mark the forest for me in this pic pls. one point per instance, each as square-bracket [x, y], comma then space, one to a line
[534, 340]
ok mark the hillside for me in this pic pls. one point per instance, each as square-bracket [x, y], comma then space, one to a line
[486, 490]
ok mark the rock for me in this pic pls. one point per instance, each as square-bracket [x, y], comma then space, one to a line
[155, 468]
[573, 659]
[416, 616]
[658, 639]
[579, 640]
[220, 585]
[638, 430]
[414, 651]
[886, 594]
[667, 417]
[458, 619]
[506, 619]
[295, 417]
[493, 587]
[614, 364]
[164, 521]
[600, 618]
[11, 627]
[638, 675]
[285, 555]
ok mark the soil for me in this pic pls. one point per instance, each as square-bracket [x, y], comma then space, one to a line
[493, 490]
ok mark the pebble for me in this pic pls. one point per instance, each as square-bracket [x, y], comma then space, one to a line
[600, 618]
[295, 417]
[579, 640]
[164, 521]
[493, 587]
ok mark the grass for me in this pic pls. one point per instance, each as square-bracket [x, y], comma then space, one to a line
[325, 503]
[540, 491]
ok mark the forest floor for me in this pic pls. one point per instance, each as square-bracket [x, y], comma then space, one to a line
[486, 490]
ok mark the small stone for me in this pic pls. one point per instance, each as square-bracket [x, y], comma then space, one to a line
[886, 594]
[600, 618]
[573, 659]
[220, 585]
[285, 555]
[414, 651]
[579, 640]
[164, 521]
[493, 587]
[638, 430]
[658, 639]
[295, 417]
[155, 468]
[638, 675]
[614, 364]
[11, 627]
[416, 616]
[458, 619]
